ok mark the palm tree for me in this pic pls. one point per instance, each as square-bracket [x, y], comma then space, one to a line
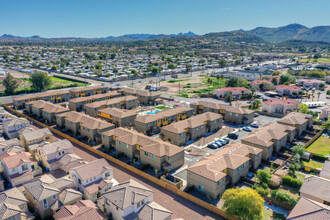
[318, 95]
[326, 125]
[256, 103]
[229, 98]
[218, 78]
[313, 95]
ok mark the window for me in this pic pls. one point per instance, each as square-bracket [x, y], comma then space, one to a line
[24, 167]
[107, 174]
[54, 197]
[120, 143]
[88, 129]
[84, 128]
[138, 204]
[14, 169]
[142, 202]
[238, 169]
[153, 157]
[45, 203]
[243, 165]
[219, 182]
[201, 188]
[146, 153]
[103, 136]
[21, 206]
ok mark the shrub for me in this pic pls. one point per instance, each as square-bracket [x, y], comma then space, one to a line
[284, 197]
[319, 157]
[288, 180]
[263, 191]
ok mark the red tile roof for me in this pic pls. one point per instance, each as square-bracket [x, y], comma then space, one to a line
[276, 101]
[295, 88]
[232, 89]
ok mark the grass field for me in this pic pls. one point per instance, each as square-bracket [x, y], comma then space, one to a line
[324, 60]
[320, 146]
[63, 82]
[162, 107]
[177, 80]
[312, 164]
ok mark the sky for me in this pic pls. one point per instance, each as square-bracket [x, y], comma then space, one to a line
[102, 18]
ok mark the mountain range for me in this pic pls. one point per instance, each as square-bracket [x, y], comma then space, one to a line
[259, 34]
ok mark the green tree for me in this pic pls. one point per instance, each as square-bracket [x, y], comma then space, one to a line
[245, 203]
[299, 149]
[275, 81]
[171, 66]
[321, 86]
[10, 84]
[276, 73]
[222, 63]
[253, 90]
[264, 176]
[40, 81]
[286, 78]
[259, 59]
[218, 78]
[112, 56]
[326, 125]
[229, 98]
[318, 95]
[303, 108]
[256, 103]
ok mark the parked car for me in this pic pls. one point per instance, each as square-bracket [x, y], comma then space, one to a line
[233, 135]
[247, 129]
[212, 146]
[256, 114]
[218, 143]
[254, 125]
[226, 140]
[223, 142]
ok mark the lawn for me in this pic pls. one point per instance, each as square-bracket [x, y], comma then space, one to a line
[320, 146]
[270, 214]
[312, 164]
[294, 192]
[59, 81]
[324, 60]
[177, 80]
[162, 107]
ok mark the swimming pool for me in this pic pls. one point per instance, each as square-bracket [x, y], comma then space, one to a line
[152, 113]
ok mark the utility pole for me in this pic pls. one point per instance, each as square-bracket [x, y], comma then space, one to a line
[179, 89]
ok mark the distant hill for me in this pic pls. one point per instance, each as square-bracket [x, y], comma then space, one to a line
[150, 36]
[234, 36]
[291, 32]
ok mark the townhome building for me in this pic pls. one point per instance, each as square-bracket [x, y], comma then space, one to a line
[18, 168]
[144, 97]
[232, 115]
[309, 83]
[11, 145]
[125, 102]
[122, 202]
[93, 178]
[225, 167]
[11, 127]
[146, 150]
[80, 210]
[191, 129]
[325, 171]
[309, 209]
[77, 104]
[51, 154]
[44, 193]
[88, 91]
[300, 121]
[36, 137]
[325, 113]
[317, 189]
[45, 110]
[54, 97]
[280, 106]
[84, 125]
[151, 124]
[270, 138]
[70, 161]
[119, 117]
[14, 205]
[286, 90]
[235, 92]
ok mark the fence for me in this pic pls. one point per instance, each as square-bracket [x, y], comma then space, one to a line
[305, 146]
[159, 182]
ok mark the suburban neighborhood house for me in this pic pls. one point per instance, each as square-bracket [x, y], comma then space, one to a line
[132, 200]
[80, 123]
[193, 128]
[280, 106]
[77, 104]
[88, 91]
[18, 168]
[35, 137]
[256, 83]
[232, 115]
[300, 121]
[325, 112]
[44, 194]
[11, 127]
[150, 124]
[309, 83]
[285, 90]
[141, 148]
[93, 178]
[11, 145]
[270, 138]
[213, 173]
[80, 210]
[45, 110]
[325, 171]
[119, 117]
[51, 154]
[14, 205]
[308, 209]
[54, 97]
[125, 102]
[235, 92]
[317, 189]
[144, 97]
